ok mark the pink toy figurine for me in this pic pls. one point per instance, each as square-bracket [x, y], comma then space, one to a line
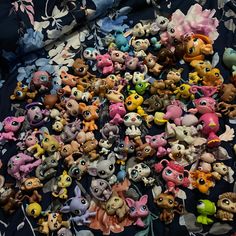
[138, 209]
[174, 174]
[158, 142]
[206, 103]
[209, 125]
[11, 125]
[174, 112]
[117, 112]
[20, 165]
[104, 63]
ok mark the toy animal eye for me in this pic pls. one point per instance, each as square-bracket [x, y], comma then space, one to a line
[146, 150]
[195, 39]
[182, 88]
[172, 30]
[46, 140]
[75, 93]
[83, 201]
[185, 132]
[116, 199]
[139, 118]
[15, 123]
[109, 92]
[43, 78]
[117, 54]
[17, 157]
[160, 199]
[69, 104]
[168, 172]
[33, 212]
[81, 69]
[54, 215]
[101, 183]
[170, 201]
[203, 103]
[68, 179]
[162, 22]
[207, 69]
[226, 201]
[102, 172]
[178, 147]
[132, 209]
[53, 161]
[201, 181]
[32, 108]
[126, 117]
[83, 163]
[121, 145]
[77, 212]
[201, 63]
[143, 208]
[95, 190]
[132, 147]
[97, 110]
[111, 167]
[129, 103]
[180, 177]
[191, 50]
[29, 183]
[86, 113]
[217, 74]
[19, 93]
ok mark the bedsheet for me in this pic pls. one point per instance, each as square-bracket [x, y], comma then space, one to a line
[49, 35]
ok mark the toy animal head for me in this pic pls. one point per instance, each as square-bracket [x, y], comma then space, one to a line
[132, 118]
[133, 101]
[79, 67]
[31, 184]
[64, 180]
[12, 124]
[49, 143]
[104, 60]
[19, 92]
[156, 103]
[115, 95]
[125, 146]
[132, 62]
[138, 171]
[78, 168]
[150, 60]
[140, 44]
[90, 145]
[118, 56]
[90, 53]
[145, 150]
[89, 112]
[138, 208]
[227, 202]
[165, 201]
[77, 205]
[156, 141]
[41, 79]
[100, 189]
[117, 108]
[221, 168]
[201, 66]
[68, 79]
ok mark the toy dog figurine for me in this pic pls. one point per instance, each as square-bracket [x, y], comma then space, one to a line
[174, 174]
[227, 206]
[138, 209]
[11, 125]
[205, 208]
[78, 206]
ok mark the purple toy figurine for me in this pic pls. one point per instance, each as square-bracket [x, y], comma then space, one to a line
[138, 209]
[174, 112]
[79, 207]
[11, 125]
[117, 112]
[158, 142]
[20, 165]
[35, 115]
[105, 64]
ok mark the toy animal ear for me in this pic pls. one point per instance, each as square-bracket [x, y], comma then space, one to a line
[148, 138]
[112, 158]
[23, 187]
[77, 192]
[65, 209]
[130, 201]
[92, 171]
[144, 199]
[20, 119]
[13, 97]
[82, 106]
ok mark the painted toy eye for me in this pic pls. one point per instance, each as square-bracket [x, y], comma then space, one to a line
[129, 103]
[201, 204]
[15, 123]
[83, 163]
[185, 132]
[160, 199]
[195, 39]
[180, 177]
[136, 96]
[97, 110]
[53, 161]
[75, 93]
[102, 172]
[139, 118]
[33, 108]
[182, 88]
[201, 181]
[207, 69]
[68, 179]
[33, 212]
[144, 208]
[172, 30]
[69, 104]
[134, 173]
[121, 145]
[191, 50]
[83, 201]
[86, 113]
[126, 117]
[17, 157]
[81, 69]
[132, 209]
[178, 147]
[203, 103]
[217, 74]
[116, 199]
[144, 166]
[46, 140]
[101, 183]
[132, 147]
[226, 201]
[19, 93]
[54, 215]
[95, 190]
[146, 150]
[170, 201]
[111, 167]
[168, 172]
[77, 212]
[43, 78]
[162, 22]
[29, 183]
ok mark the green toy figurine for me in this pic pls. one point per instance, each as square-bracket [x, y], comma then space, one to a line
[205, 208]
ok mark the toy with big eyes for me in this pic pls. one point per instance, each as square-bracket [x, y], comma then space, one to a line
[138, 77]
[33, 209]
[11, 125]
[90, 53]
[151, 62]
[117, 112]
[105, 145]
[138, 209]
[140, 46]
[174, 175]
[205, 208]
[100, 189]
[115, 96]
[105, 64]
[41, 81]
[133, 101]
[121, 42]
[132, 121]
[36, 115]
[183, 91]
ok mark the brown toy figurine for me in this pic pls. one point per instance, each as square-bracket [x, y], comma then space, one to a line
[50, 100]
[151, 62]
[89, 148]
[228, 92]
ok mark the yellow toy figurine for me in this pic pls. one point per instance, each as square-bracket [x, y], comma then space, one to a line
[183, 92]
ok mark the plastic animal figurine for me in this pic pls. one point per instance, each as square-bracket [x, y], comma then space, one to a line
[90, 55]
[151, 62]
[51, 222]
[29, 188]
[138, 209]
[48, 168]
[90, 114]
[226, 206]
[105, 145]
[140, 172]
[11, 125]
[104, 169]
[117, 112]
[140, 46]
[33, 209]
[41, 81]
[156, 103]
[205, 208]
[229, 58]
[227, 109]
[78, 206]
[118, 59]
[213, 78]
[110, 132]
[121, 42]
[89, 148]
[20, 165]
[81, 69]
[219, 170]
[133, 64]
[133, 101]
[158, 142]
[197, 46]
[169, 206]
[21, 92]
[183, 91]
[206, 159]
[64, 232]
[49, 143]
[132, 121]
[123, 148]
[174, 112]
[174, 175]
[78, 168]
[105, 64]
[202, 181]
[201, 67]
[82, 136]
[70, 131]
[228, 93]
[115, 96]
[63, 181]
[116, 206]
[100, 189]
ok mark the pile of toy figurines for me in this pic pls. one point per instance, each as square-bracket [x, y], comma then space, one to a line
[108, 126]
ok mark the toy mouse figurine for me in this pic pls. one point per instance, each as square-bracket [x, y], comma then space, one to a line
[117, 112]
[105, 64]
[197, 46]
[226, 206]
[11, 125]
[138, 209]
[205, 208]
[78, 206]
[20, 165]
[174, 175]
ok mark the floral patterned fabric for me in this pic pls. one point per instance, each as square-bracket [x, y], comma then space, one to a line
[48, 35]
